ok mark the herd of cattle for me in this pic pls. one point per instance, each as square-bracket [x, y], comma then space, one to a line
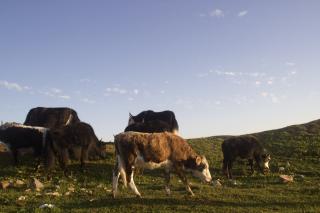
[149, 141]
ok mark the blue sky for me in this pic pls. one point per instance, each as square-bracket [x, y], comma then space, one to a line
[223, 67]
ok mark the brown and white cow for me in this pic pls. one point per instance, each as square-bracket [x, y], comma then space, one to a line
[154, 150]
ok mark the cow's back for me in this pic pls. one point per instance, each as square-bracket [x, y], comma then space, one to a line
[51, 117]
[242, 146]
[154, 147]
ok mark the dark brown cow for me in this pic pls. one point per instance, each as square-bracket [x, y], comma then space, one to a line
[246, 147]
[149, 127]
[17, 137]
[54, 117]
[149, 115]
[156, 150]
[76, 136]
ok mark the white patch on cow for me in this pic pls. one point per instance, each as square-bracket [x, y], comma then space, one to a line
[175, 132]
[203, 175]
[115, 178]
[133, 186]
[69, 120]
[7, 125]
[140, 162]
[266, 164]
[10, 124]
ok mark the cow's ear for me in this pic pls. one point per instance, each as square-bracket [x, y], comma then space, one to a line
[198, 160]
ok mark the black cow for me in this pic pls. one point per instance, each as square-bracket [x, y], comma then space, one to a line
[18, 136]
[51, 117]
[246, 147]
[149, 127]
[149, 115]
[75, 136]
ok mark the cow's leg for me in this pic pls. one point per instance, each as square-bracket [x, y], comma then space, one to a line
[37, 155]
[63, 160]
[225, 168]
[258, 161]
[183, 178]
[230, 170]
[131, 183]
[167, 181]
[251, 165]
[15, 156]
[84, 157]
[115, 178]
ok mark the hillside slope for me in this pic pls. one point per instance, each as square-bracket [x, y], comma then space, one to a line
[296, 148]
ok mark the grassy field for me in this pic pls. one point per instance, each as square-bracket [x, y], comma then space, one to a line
[295, 148]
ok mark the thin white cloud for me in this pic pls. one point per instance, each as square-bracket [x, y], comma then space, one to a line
[274, 98]
[218, 13]
[56, 90]
[13, 86]
[136, 91]
[242, 13]
[55, 93]
[115, 90]
[290, 64]
[88, 101]
[67, 97]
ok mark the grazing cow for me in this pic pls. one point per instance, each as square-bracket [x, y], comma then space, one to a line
[134, 149]
[246, 147]
[18, 136]
[75, 136]
[51, 117]
[149, 127]
[149, 115]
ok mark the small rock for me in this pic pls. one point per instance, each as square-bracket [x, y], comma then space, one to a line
[100, 185]
[299, 177]
[27, 190]
[22, 198]
[57, 187]
[91, 200]
[67, 193]
[287, 164]
[56, 194]
[217, 183]
[50, 206]
[286, 178]
[19, 183]
[5, 184]
[71, 189]
[36, 184]
[281, 169]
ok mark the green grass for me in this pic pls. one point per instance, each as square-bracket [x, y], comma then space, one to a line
[256, 193]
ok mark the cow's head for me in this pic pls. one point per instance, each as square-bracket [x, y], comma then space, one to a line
[131, 119]
[102, 149]
[266, 157]
[201, 169]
